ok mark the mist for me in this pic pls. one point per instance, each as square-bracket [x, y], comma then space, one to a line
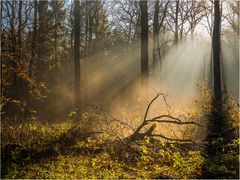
[120, 89]
[112, 78]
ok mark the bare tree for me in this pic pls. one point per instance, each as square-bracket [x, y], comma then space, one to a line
[176, 21]
[126, 17]
[172, 20]
[233, 15]
[157, 25]
[208, 14]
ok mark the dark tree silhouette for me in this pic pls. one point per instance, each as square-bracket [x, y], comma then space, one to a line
[155, 30]
[144, 39]
[217, 119]
[216, 43]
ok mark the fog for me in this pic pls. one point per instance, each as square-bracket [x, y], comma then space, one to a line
[111, 79]
[183, 68]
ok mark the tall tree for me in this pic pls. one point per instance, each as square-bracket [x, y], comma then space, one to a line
[90, 28]
[20, 49]
[217, 118]
[101, 25]
[176, 21]
[155, 29]
[157, 25]
[144, 40]
[58, 16]
[13, 46]
[42, 41]
[34, 38]
[20, 30]
[77, 52]
[216, 43]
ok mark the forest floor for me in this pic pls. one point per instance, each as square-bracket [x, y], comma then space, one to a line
[94, 149]
[64, 150]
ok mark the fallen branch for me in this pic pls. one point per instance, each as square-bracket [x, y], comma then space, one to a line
[174, 122]
[165, 116]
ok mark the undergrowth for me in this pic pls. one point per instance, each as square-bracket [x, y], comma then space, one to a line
[95, 157]
[91, 149]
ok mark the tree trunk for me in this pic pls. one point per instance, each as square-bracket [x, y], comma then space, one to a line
[13, 50]
[144, 42]
[130, 31]
[216, 43]
[90, 31]
[22, 91]
[34, 39]
[155, 31]
[77, 53]
[20, 31]
[217, 116]
[42, 48]
[176, 22]
[86, 26]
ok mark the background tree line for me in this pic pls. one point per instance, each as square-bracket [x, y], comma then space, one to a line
[37, 40]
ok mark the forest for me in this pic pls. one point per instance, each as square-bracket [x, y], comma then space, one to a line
[120, 89]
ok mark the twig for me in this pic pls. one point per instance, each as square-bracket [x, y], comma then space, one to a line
[167, 105]
[119, 121]
[165, 100]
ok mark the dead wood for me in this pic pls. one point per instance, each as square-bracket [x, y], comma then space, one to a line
[137, 135]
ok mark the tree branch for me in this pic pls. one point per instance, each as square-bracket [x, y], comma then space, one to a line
[149, 105]
[164, 116]
[174, 122]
